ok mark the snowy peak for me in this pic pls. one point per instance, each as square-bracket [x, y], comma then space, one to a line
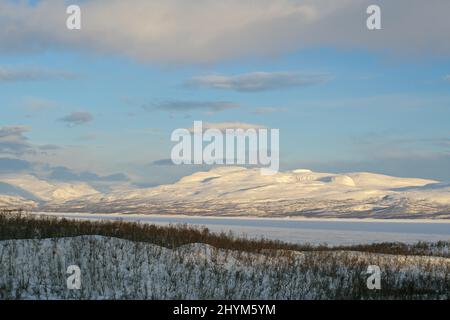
[244, 182]
[32, 188]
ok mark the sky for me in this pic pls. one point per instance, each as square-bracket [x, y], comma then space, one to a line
[99, 104]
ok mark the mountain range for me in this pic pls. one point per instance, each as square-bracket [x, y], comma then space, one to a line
[237, 191]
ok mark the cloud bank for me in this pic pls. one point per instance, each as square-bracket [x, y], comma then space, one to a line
[259, 81]
[185, 106]
[77, 118]
[179, 31]
[10, 74]
[232, 125]
[13, 140]
[267, 110]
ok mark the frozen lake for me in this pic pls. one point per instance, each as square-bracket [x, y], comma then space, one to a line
[316, 231]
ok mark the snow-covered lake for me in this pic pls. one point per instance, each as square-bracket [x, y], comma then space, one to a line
[315, 231]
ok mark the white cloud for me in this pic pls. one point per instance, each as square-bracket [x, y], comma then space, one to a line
[222, 126]
[180, 31]
[266, 110]
[77, 118]
[13, 140]
[184, 106]
[259, 81]
[447, 77]
[8, 74]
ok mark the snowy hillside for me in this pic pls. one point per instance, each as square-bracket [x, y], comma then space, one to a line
[241, 191]
[112, 268]
[14, 189]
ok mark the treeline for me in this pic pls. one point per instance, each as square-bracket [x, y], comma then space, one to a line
[18, 224]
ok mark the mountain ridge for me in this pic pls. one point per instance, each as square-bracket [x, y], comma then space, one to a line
[241, 191]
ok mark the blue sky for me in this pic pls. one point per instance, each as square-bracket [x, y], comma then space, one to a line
[106, 110]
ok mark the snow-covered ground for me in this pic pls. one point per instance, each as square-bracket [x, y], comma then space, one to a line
[298, 230]
[118, 269]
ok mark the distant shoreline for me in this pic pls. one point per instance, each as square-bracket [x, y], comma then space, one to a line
[336, 231]
[293, 218]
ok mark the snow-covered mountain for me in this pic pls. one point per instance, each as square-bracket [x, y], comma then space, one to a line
[27, 190]
[245, 192]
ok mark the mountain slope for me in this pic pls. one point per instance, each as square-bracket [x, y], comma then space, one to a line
[241, 191]
[27, 190]
[37, 269]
